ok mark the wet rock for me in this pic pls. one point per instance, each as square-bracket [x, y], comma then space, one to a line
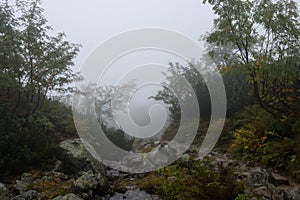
[86, 182]
[92, 182]
[262, 192]
[258, 177]
[29, 195]
[113, 173]
[4, 192]
[50, 176]
[185, 161]
[70, 196]
[172, 178]
[277, 179]
[75, 158]
[22, 185]
[134, 195]
[291, 193]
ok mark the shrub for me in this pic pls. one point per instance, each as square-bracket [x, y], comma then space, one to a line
[202, 180]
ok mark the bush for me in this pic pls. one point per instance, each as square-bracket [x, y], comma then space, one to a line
[202, 180]
[29, 143]
[272, 142]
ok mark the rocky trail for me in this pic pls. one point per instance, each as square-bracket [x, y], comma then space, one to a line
[78, 176]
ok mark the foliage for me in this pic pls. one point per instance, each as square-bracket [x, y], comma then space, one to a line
[256, 139]
[32, 64]
[176, 77]
[29, 142]
[260, 38]
[200, 181]
[242, 197]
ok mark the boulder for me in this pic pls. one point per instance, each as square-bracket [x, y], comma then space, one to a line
[75, 158]
[70, 196]
[86, 182]
[90, 181]
[29, 195]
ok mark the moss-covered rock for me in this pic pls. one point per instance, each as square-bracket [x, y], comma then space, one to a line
[75, 158]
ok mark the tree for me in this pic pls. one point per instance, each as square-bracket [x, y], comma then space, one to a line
[262, 39]
[32, 62]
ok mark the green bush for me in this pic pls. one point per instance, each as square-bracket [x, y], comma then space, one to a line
[242, 197]
[272, 142]
[202, 180]
[28, 144]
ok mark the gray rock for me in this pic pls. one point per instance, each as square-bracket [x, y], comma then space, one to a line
[70, 196]
[29, 195]
[90, 181]
[75, 158]
[113, 173]
[4, 192]
[291, 193]
[262, 192]
[22, 185]
[50, 176]
[86, 182]
[134, 195]
[172, 178]
[258, 177]
[277, 179]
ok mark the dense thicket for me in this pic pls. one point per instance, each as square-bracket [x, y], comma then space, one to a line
[32, 64]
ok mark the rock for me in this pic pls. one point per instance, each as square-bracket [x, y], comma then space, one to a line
[291, 193]
[113, 173]
[29, 195]
[4, 192]
[277, 179]
[90, 181]
[86, 182]
[262, 192]
[58, 166]
[172, 178]
[75, 158]
[50, 176]
[70, 196]
[22, 185]
[184, 160]
[134, 195]
[258, 177]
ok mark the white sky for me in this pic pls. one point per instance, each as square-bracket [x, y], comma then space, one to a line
[91, 22]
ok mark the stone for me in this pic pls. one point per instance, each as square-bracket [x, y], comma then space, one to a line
[172, 178]
[22, 185]
[90, 181]
[70, 196]
[134, 195]
[50, 176]
[258, 177]
[4, 192]
[75, 158]
[262, 192]
[29, 195]
[277, 179]
[86, 182]
[292, 194]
